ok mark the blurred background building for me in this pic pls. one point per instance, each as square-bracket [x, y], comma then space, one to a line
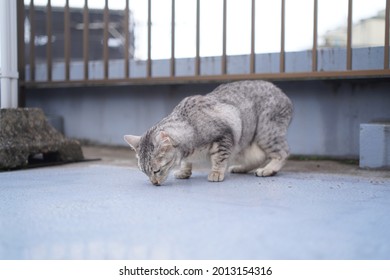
[95, 29]
[367, 32]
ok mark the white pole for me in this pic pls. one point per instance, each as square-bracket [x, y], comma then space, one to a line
[5, 92]
[8, 40]
[4, 29]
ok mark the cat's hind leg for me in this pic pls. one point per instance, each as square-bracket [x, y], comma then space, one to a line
[278, 155]
[250, 159]
[185, 170]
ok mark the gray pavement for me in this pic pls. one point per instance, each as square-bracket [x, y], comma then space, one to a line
[100, 210]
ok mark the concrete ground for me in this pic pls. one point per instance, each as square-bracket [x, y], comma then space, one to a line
[108, 209]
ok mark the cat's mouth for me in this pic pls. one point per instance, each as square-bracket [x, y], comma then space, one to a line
[158, 180]
[155, 182]
[161, 176]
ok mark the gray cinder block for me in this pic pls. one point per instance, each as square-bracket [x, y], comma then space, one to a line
[375, 145]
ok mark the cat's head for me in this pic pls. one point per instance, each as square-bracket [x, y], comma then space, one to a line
[156, 154]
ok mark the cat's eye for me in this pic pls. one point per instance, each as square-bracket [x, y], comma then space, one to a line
[157, 171]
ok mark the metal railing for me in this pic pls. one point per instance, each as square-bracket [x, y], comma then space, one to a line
[172, 76]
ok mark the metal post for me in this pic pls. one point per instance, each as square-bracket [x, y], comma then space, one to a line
[21, 53]
[387, 35]
[14, 54]
[282, 66]
[253, 36]
[315, 37]
[86, 40]
[8, 41]
[67, 40]
[32, 40]
[49, 39]
[127, 39]
[197, 56]
[105, 39]
[173, 70]
[149, 61]
[349, 36]
[224, 31]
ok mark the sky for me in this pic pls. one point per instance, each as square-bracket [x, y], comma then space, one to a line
[299, 24]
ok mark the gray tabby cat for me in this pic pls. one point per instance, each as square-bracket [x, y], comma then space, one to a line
[245, 122]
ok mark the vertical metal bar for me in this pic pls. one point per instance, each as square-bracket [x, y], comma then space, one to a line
[127, 39]
[8, 46]
[315, 37]
[253, 37]
[67, 40]
[49, 58]
[105, 39]
[349, 36]
[13, 43]
[86, 40]
[149, 62]
[223, 62]
[173, 40]
[21, 52]
[387, 35]
[282, 43]
[197, 55]
[32, 40]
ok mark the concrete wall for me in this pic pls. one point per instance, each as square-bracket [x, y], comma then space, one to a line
[326, 120]
[328, 114]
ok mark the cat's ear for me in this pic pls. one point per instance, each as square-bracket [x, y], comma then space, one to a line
[133, 141]
[166, 139]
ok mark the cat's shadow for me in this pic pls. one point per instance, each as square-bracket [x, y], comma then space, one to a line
[200, 178]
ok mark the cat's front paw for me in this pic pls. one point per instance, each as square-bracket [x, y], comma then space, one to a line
[183, 174]
[216, 176]
[265, 172]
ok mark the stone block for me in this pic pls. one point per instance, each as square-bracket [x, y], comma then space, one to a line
[25, 132]
[375, 145]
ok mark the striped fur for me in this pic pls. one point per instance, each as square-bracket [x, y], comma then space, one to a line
[244, 122]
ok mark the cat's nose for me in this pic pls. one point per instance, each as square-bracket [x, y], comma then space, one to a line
[155, 182]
